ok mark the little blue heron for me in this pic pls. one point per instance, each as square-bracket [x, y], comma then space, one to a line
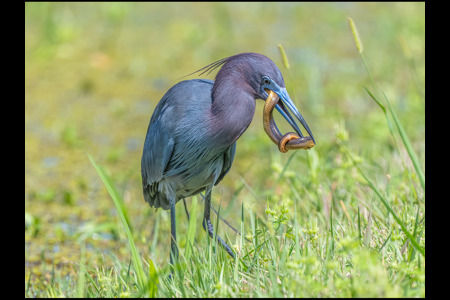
[191, 138]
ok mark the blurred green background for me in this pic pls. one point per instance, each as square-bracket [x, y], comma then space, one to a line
[95, 71]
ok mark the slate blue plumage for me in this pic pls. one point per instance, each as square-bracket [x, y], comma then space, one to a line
[191, 138]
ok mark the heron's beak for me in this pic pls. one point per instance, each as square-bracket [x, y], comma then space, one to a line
[287, 102]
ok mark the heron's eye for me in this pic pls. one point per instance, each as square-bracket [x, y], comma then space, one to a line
[266, 81]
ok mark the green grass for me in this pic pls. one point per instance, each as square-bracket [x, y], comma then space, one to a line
[143, 283]
[288, 257]
[344, 219]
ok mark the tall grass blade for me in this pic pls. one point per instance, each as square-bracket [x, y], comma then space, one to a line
[407, 144]
[142, 279]
[391, 130]
[368, 232]
[375, 99]
[397, 122]
[331, 226]
[359, 225]
[242, 228]
[385, 242]
[297, 236]
[386, 204]
[153, 277]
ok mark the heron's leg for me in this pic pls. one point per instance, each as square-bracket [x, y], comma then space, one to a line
[207, 225]
[229, 225]
[225, 221]
[185, 208]
[173, 231]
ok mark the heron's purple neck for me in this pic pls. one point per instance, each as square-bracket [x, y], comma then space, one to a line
[232, 110]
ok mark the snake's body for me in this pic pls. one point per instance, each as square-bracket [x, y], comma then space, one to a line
[289, 141]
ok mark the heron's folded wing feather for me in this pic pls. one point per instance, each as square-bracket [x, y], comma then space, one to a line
[158, 149]
[227, 162]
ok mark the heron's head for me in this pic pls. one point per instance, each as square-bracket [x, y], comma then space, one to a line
[255, 74]
[259, 74]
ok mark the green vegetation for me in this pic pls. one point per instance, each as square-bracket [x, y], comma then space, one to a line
[344, 219]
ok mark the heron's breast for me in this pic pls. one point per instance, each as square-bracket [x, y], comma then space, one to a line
[198, 177]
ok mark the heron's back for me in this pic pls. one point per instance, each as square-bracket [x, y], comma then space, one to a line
[180, 157]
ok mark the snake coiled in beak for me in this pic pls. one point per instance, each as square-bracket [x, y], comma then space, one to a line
[289, 141]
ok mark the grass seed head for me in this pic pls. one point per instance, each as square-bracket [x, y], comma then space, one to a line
[358, 42]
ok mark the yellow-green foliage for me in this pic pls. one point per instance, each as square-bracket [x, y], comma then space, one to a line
[94, 73]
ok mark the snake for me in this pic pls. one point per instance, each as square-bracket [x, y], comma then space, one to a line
[289, 141]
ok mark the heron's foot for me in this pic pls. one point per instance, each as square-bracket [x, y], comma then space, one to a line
[207, 225]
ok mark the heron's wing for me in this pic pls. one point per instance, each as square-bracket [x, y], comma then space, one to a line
[228, 158]
[158, 148]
